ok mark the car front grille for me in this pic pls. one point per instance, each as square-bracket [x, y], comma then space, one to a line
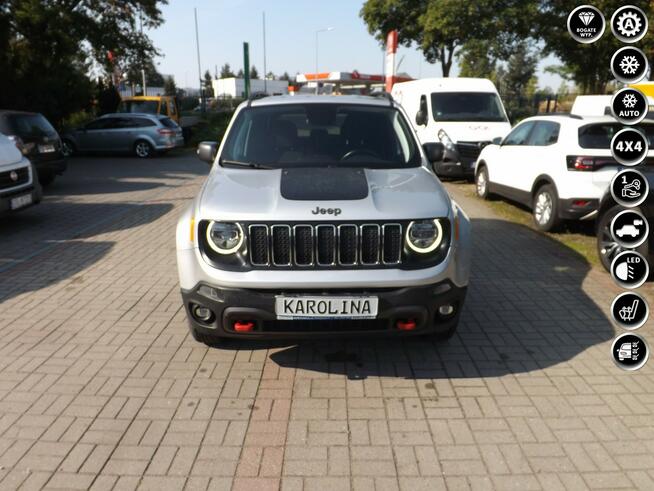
[468, 150]
[13, 178]
[324, 245]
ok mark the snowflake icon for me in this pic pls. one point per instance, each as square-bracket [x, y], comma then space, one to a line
[629, 101]
[629, 24]
[629, 65]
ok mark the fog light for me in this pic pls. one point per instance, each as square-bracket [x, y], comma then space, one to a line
[406, 325]
[243, 326]
[446, 310]
[203, 314]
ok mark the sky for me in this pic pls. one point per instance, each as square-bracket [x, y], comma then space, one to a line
[291, 26]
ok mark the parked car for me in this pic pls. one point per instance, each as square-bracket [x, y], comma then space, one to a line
[19, 186]
[559, 166]
[321, 216]
[37, 140]
[461, 113]
[140, 134]
[607, 247]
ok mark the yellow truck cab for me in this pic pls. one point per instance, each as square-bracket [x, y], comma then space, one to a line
[153, 104]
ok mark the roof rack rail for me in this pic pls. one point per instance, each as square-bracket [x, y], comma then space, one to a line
[258, 95]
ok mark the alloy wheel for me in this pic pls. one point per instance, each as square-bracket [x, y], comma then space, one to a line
[143, 149]
[543, 208]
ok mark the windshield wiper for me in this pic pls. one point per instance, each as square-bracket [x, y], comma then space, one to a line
[238, 163]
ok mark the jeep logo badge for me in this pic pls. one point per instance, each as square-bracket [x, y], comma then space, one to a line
[326, 211]
[13, 175]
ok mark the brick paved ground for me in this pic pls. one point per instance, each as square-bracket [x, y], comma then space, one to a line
[102, 387]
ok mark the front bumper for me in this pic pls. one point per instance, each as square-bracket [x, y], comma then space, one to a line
[229, 305]
[454, 165]
[33, 190]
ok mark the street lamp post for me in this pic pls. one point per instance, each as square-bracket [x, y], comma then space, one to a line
[327, 29]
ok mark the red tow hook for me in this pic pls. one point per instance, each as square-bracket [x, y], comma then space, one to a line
[243, 326]
[407, 325]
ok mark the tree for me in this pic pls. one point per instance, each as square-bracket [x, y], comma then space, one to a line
[47, 49]
[170, 88]
[441, 27]
[586, 64]
[254, 73]
[285, 76]
[271, 76]
[226, 71]
[475, 60]
[240, 73]
[152, 77]
[518, 83]
[207, 84]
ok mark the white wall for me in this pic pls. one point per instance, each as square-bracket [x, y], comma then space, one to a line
[235, 87]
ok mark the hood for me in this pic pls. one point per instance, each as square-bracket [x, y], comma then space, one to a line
[356, 194]
[9, 154]
[474, 131]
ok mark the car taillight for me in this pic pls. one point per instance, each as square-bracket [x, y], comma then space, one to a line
[166, 132]
[579, 163]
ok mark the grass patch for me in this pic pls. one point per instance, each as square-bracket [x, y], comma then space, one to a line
[577, 235]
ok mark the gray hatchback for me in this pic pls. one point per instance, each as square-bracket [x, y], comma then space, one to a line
[140, 134]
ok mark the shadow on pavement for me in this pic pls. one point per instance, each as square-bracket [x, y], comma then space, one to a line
[526, 310]
[50, 233]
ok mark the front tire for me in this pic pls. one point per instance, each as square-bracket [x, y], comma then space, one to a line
[143, 149]
[545, 208]
[481, 183]
[67, 148]
[211, 341]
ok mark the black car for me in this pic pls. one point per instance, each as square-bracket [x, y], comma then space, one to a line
[38, 141]
[607, 247]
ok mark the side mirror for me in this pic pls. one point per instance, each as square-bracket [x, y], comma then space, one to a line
[207, 151]
[421, 117]
[434, 151]
[497, 140]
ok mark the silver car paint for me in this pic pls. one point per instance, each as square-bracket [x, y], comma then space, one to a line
[231, 194]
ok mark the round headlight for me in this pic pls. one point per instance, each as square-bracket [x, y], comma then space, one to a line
[424, 236]
[224, 237]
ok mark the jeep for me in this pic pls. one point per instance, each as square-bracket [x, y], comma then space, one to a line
[322, 216]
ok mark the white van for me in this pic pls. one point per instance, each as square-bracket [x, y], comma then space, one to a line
[462, 113]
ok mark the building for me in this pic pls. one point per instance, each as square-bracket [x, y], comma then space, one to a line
[235, 87]
[345, 82]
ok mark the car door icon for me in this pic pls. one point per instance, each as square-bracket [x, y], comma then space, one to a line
[624, 352]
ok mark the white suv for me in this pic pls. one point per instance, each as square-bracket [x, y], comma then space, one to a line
[559, 166]
[18, 186]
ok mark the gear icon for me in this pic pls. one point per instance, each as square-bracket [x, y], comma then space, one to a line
[629, 65]
[629, 29]
[629, 101]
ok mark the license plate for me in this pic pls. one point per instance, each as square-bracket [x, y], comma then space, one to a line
[46, 148]
[20, 201]
[320, 307]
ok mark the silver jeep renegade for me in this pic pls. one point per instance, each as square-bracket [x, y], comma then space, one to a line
[321, 216]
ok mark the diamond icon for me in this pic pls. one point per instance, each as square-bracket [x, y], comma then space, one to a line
[586, 17]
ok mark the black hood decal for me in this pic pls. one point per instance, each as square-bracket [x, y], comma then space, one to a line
[324, 184]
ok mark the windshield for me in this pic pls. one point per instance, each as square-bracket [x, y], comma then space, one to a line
[600, 135]
[302, 135]
[139, 107]
[467, 106]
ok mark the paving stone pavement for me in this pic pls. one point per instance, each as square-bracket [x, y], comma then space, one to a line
[102, 387]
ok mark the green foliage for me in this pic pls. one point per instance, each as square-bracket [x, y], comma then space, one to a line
[211, 128]
[517, 83]
[586, 64]
[207, 84]
[254, 73]
[170, 88]
[226, 71]
[76, 120]
[47, 48]
[441, 27]
[475, 60]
